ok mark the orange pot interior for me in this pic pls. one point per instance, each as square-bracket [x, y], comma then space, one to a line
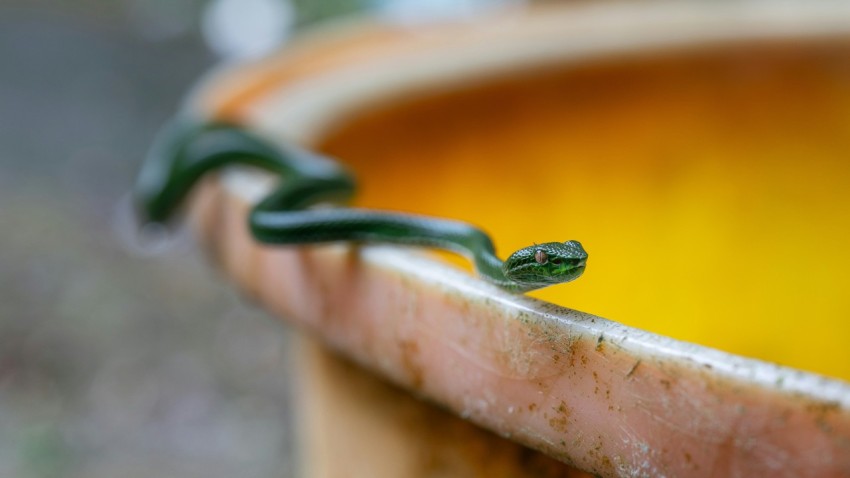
[711, 188]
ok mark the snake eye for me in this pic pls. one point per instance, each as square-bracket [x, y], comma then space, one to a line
[540, 257]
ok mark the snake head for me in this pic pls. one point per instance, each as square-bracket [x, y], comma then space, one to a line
[545, 264]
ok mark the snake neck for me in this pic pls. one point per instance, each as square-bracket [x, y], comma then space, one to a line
[362, 225]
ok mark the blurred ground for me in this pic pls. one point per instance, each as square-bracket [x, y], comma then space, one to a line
[114, 363]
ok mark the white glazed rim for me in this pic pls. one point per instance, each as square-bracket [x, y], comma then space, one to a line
[303, 110]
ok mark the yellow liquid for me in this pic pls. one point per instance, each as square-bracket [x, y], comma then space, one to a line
[711, 189]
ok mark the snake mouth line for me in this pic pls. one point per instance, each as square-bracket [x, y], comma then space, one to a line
[577, 271]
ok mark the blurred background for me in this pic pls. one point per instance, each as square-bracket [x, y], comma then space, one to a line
[117, 359]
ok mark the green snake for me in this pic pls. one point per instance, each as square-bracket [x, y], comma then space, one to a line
[186, 149]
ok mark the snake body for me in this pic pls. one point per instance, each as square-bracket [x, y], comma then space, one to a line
[186, 150]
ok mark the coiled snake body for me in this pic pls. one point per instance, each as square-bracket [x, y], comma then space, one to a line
[186, 150]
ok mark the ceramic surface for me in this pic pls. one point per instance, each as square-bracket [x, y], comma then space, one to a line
[610, 399]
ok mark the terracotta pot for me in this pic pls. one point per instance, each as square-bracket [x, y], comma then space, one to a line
[698, 150]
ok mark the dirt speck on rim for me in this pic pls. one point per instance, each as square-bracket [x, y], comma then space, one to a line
[560, 420]
[410, 362]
